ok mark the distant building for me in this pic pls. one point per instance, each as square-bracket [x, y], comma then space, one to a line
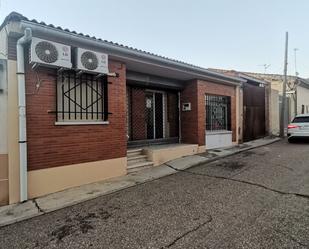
[297, 91]
[259, 107]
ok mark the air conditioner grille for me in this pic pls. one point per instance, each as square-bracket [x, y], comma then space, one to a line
[89, 60]
[46, 52]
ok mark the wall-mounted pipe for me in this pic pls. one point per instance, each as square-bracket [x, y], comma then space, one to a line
[22, 113]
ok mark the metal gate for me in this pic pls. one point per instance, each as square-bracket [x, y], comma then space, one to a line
[152, 116]
[254, 112]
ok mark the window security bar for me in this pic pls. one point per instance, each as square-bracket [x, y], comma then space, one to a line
[218, 113]
[81, 97]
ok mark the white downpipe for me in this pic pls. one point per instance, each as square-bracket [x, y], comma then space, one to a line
[22, 114]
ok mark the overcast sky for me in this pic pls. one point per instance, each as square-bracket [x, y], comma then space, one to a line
[230, 34]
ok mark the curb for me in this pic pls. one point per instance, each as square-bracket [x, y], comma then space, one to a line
[134, 183]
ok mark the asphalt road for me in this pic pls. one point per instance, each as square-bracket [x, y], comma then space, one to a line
[256, 199]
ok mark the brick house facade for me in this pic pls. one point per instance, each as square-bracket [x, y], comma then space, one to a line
[51, 145]
[144, 101]
[193, 123]
[256, 106]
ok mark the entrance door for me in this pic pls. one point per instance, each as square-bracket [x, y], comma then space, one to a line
[254, 112]
[154, 114]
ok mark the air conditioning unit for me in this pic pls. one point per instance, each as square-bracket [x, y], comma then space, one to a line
[50, 53]
[92, 62]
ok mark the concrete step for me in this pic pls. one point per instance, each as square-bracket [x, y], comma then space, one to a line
[139, 166]
[134, 163]
[134, 152]
[137, 159]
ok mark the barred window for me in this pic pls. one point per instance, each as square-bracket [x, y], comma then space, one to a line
[81, 98]
[218, 113]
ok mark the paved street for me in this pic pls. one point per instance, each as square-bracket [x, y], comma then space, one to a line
[256, 199]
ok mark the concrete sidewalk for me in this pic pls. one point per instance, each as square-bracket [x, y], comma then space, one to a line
[17, 212]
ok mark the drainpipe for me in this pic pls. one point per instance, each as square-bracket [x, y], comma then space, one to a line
[22, 139]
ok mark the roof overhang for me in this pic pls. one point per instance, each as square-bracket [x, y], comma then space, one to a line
[303, 82]
[252, 79]
[135, 60]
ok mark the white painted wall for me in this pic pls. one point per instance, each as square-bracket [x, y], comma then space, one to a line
[274, 113]
[218, 139]
[3, 43]
[3, 92]
[302, 99]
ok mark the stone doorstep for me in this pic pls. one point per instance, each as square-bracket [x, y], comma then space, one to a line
[45, 204]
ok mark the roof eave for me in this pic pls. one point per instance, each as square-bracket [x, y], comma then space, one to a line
[133, 53]
[249, 78]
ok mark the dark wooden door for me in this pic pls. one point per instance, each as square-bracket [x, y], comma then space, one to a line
[254, 112]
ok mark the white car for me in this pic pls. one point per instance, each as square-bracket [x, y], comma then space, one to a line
[299, 127]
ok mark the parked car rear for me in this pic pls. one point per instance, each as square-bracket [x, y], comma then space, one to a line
[299, 127]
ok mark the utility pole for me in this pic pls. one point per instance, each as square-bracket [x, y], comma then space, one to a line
[295, 83]
[283, 104]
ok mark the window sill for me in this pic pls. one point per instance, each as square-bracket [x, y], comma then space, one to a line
[209, 132]
[82, 123]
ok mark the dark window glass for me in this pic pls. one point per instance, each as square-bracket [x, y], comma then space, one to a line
[81, 97]
[301, 120]
[218, 112]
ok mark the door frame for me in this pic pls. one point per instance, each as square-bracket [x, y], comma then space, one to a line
[154, 111]
[257, 108]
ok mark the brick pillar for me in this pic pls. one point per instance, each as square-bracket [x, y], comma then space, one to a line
[193, 123]
[138, 122]
[190, 127]
[172, 114]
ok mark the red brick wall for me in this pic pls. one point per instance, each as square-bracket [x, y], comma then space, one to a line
[193, 122]
[189, 119]
[51, 146]
[138, 123]
[138, 112]
[172, 114]
[217, 89]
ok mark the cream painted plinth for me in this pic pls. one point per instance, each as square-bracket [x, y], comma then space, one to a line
[12, 135]
[202, 149]
[160, 154]
[46, 181]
